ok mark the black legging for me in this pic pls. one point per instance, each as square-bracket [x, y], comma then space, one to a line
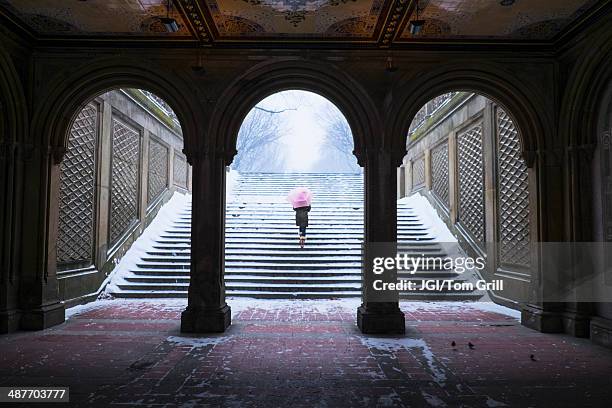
[302, 230]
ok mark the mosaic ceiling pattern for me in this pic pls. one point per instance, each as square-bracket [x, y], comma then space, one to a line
[525, 19]
[296, 18]
[95, 17]
[381, 22]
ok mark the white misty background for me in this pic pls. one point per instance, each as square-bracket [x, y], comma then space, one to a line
[295, 131]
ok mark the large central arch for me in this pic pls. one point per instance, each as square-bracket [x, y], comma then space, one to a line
[271, 77]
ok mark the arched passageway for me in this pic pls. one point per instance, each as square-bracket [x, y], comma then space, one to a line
[468, 185]
[123, 161]
[294, 139]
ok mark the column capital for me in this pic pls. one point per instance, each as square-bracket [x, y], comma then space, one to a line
[373, 155]
[195, 155]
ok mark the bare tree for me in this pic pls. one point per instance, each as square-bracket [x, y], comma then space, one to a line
[258, 141]
[337, 148]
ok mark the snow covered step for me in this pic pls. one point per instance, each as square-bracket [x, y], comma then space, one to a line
[287, 280]
[262, 256]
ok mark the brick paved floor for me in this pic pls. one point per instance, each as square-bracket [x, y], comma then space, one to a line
[306, 354]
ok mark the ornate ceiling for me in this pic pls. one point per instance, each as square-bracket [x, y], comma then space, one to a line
[375, 22]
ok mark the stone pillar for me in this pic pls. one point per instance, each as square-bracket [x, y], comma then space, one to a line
[206, 309]
[539, 314]
[427, 159]
[401, 174]
[104, 180]
[38, 289]
[143, 175]
[10, 208]
[380, 227]
[408, 177]
[576, 318]
[453, 188]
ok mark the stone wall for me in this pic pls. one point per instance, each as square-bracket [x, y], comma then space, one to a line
[465, 157]
[123, 161]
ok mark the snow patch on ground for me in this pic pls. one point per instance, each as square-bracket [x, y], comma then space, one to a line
[197, 341]
[479, 305]
[495, 308]
[390, 344]
[323, 306]
[163, 221]
[78, 309]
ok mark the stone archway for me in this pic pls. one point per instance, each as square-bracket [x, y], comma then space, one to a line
[525, 103]
[67, 95]
[521, 102]
[71, 93]
[207, 310]
[271, 77]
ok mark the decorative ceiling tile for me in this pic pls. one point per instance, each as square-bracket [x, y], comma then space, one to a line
[381, 22]
[488, 19]
[96, 17]
[295, 18]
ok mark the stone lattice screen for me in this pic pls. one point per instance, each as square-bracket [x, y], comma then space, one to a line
[75, 241]
[418, 172]
[439, 173]
[158, 170]
[180, 170]
[513, 194]
[124, 179]
[471, 182]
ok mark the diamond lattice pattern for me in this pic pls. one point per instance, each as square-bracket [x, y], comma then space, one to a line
[124, 184]
[439, 172]
[418, 172]
[158, 170]
[471, 182]
[75, 239]
[513, 197]
[180, 170]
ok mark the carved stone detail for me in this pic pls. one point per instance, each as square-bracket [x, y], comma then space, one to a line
[180, 170]
[124, 179]
[418, 172]
[471, 182]
[439, 173]
[513, 194]
[158, 170]
[75, 239]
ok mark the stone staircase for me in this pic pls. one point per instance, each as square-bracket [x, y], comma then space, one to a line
[263, 259]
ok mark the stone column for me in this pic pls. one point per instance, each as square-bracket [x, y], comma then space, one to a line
[401, 174]
[10, 208]
[453, 188]
[540, 314]
[427, 159]
[408, 177]
[38, 289]
[380, 227]
[206, 309]
[104, 183]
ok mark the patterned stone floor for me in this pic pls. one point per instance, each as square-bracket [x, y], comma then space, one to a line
[306, 354]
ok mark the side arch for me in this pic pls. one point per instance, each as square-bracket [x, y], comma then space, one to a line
[69, 95]
[271, 77]
[586, 88]
[516, 99]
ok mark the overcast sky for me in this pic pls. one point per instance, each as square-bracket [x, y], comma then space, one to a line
[302, 132]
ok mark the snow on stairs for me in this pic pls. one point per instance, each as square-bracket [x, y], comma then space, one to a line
[262, 256]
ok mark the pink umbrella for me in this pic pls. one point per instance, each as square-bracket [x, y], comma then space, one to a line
[300, 197]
